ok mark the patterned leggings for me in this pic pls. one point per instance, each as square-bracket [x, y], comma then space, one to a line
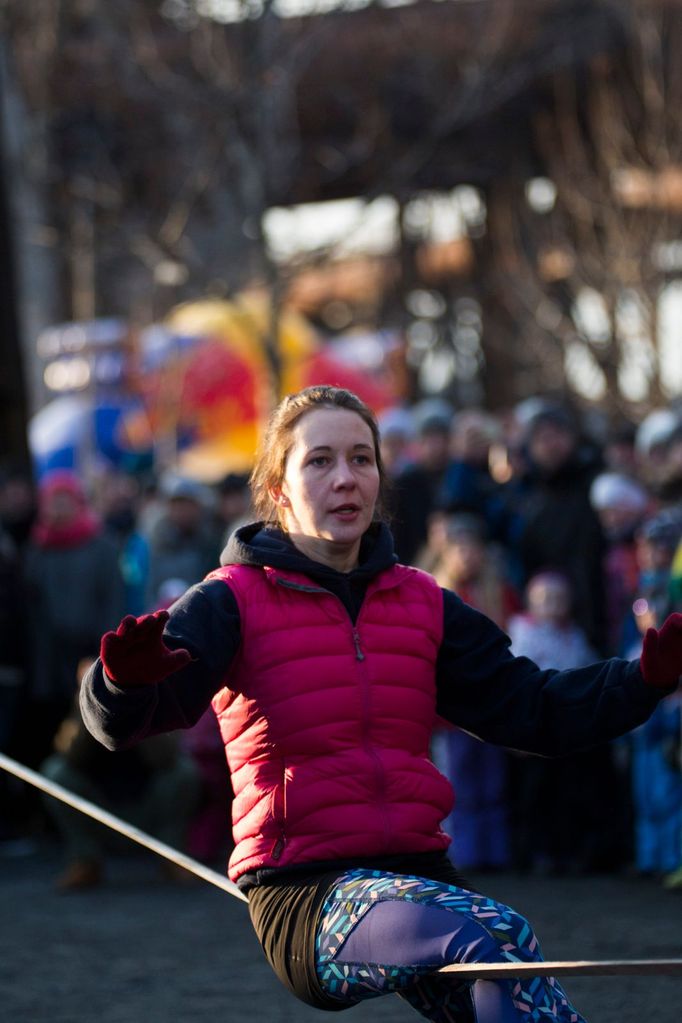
[380, 933]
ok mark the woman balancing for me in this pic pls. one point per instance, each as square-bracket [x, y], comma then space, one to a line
[326, 663]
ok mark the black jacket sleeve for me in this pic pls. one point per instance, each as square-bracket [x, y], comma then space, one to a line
[204, 621]
[484, 689]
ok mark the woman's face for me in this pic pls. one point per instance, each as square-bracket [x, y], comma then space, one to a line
[331, 481]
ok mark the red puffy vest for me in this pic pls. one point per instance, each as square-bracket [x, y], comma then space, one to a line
[327, 724]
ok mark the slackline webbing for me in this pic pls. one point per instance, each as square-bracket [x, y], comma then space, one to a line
[586, 967]
[472, 971]
[116, 824]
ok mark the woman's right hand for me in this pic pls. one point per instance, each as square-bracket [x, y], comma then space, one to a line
[136, 655]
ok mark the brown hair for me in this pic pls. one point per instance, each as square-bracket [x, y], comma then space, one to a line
[270, 466]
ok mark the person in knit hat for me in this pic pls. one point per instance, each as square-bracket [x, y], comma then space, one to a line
[621, 504]
[74, 589]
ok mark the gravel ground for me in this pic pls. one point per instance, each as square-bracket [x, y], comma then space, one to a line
[143, 950]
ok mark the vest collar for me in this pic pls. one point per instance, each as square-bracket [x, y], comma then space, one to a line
[385, 580]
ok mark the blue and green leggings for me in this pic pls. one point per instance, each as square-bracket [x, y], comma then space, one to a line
[381, 933]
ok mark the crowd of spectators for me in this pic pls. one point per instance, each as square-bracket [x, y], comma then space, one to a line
[76, 556]
[568, 537]
[571, 540]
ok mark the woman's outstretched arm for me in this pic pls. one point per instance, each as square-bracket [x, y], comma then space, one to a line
[141, 700]
[507, 700]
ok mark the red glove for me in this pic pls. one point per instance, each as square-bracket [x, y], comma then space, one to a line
[661, 660]
[136, 655]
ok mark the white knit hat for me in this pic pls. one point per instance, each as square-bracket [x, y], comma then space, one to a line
[656, 428]
[614, 490]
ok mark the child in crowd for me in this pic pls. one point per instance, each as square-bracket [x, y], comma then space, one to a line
[469, 565]
[586, 833]
[546, 631]
[478, 824]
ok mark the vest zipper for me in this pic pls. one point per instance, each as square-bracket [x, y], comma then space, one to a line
[379, 773]
[359, 655]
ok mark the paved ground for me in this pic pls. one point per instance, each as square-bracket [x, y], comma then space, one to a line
[141, 950]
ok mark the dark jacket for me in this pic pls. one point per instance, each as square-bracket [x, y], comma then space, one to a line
[560, 530]
[13, 639]
[74, 595]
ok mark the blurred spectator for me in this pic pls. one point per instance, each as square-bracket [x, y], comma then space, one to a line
[13, 685]
[675, 586]
[233, 503]
[670, 486]
[152, 786]
[471, 567]
[652, 442]
[655, 746]
[184, 543]
[559, 528]
[621, 504]
[619, 449]
[170, 590]
[581, 800]
[397, 431]
[13, 639]
[17, 515]
[430, 553]
[152, 504]
[479, 822]
[547, 632]
[656, 542]
[417, 487]
[118, 503]
[468, 484]
[17, 505]
[657, 790]
[75, 594]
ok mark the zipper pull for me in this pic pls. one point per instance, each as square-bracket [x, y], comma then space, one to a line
[278, 848]
[359, 656]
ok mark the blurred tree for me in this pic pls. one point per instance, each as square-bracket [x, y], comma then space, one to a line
[172, 127]
[13, 404]
[583, 259]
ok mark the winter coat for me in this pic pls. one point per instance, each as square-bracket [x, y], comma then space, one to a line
[75, 594]
[560, 530]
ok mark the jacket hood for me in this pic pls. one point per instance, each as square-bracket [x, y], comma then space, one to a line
[261, 545]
